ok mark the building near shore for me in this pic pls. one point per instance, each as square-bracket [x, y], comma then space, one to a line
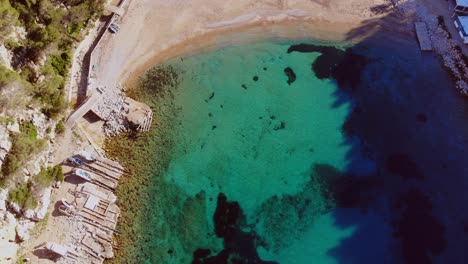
[461, 24]
[461, 6]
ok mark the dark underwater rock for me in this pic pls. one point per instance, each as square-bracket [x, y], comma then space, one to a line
[279, 126]
[291, 75]
[239, 246]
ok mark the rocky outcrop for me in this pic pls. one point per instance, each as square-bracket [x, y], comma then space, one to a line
[8, 247]
[41, 210]
[5, 57]
[5, 144]
[452, 57]
[23, 229]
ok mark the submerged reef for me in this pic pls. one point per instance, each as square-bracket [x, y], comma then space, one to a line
[284, 218]
[290, 74]
[239, 246]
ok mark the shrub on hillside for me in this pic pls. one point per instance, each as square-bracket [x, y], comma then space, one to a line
[60, 127]
[22, 195]
[48, 175]
[24, 145]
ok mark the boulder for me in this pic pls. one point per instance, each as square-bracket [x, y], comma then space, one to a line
[29, 214]
[13, 127]
[14, 207]
[3, 194]
[23, 228]
[44, 203]
[8, 247]
[10, 219]
[5, 145]
[3, 154]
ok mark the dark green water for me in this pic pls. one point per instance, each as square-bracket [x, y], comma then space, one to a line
[315, 155]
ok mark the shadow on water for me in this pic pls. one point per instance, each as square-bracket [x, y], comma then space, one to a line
[400, 104]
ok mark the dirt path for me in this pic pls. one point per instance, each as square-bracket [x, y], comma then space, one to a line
[55, 227]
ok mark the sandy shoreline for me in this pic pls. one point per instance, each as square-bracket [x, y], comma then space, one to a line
[187, 27]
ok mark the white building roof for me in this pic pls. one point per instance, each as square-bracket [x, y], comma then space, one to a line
[91, 202]
[462, 2]
[464, 22]
[59, 249]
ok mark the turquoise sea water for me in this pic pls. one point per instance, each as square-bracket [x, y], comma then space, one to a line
[276, 161]
[260, 141]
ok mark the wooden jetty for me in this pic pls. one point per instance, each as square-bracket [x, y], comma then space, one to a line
[423, 36]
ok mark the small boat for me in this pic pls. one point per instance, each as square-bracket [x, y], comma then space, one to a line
[83, 174]
[66, 210]
[75, 161]
[66, 203]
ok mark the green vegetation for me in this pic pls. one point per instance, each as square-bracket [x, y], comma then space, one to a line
[6, 120]
[48, 175]
[22, 195]
[29, 129]
[24, 145]
[20, 260]
[6, 76]
[40, 226]
[61, 63]
[52, 26]
[40, 63]
[8, 18]
[60, 127]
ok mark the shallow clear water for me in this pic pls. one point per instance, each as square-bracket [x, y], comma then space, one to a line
[246, 132]
[320, 170]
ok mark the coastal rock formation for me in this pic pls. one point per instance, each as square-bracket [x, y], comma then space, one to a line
[5, 144]
[3, 198]
[41, 210]
[451, 57]
[23, 228]
[5, 57]
[8, 247]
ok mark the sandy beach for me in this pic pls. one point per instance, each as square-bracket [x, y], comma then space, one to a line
[152, 31]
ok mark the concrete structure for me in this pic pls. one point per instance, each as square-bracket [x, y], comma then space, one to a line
[88, 104]
[461, 6]
[423, 36]
[461, 24]
[118, 10]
